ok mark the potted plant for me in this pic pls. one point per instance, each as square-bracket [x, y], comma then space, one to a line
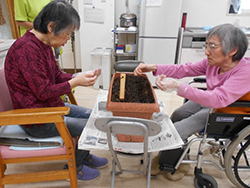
[131, 96]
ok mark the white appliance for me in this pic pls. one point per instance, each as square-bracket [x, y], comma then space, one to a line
[159, 21]
[4, 47]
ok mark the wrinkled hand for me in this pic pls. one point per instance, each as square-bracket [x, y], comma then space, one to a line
[143, 67]
[85, 78]
[97, 72]
[167, 84]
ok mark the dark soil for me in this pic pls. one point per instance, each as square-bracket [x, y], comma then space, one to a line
[137, 90]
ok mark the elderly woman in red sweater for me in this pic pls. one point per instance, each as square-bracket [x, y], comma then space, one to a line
[35, 80]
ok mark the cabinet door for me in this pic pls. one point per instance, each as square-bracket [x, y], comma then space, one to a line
[67, 58]
[191, 55]
[160, 21]
[247, 54]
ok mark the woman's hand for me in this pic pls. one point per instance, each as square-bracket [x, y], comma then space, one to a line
[85, 78]
[143, 67]
[166, 84]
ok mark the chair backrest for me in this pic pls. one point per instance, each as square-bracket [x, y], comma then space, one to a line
[5, 99]
[153, 127]
[126, 65]
[127, 126]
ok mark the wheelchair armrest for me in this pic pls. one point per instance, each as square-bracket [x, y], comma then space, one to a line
[201, 80]
[240, 104]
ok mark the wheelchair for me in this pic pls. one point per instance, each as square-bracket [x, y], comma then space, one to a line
[228, 130]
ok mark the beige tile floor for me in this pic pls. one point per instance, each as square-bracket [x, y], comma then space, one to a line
[86, 97]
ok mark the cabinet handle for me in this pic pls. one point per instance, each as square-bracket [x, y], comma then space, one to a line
[202, 50]
[179, 45]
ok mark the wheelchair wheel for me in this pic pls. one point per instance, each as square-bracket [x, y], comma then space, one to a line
[236, 150]
[205, 181]
[242, 166]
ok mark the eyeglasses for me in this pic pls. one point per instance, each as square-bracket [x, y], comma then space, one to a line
[211, 47]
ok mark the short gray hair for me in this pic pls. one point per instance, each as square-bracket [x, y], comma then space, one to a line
[61, 13]
[231, 38]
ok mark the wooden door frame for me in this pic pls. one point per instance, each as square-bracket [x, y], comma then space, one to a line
[14, 27]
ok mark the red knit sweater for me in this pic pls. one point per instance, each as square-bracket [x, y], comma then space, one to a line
[32, 75]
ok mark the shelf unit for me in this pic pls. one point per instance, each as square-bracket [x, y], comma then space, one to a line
[122, 37]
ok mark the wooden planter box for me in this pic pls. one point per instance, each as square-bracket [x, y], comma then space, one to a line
[139, 100]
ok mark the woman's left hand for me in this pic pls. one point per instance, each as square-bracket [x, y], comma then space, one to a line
[166, 84]
[90, 77]
[85, 78]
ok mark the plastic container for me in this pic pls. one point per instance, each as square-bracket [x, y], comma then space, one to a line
[101, 58]
[130, 48]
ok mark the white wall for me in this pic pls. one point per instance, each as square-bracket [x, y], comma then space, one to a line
[210, 13]
[92, 35]
[199, 13]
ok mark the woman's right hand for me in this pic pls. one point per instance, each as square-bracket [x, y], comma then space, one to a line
[143, 67]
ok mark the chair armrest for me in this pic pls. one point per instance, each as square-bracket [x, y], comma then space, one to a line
[72, 98]
[40, 116]
[33, 115]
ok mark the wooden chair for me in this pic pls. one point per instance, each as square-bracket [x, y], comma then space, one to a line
[8, 116]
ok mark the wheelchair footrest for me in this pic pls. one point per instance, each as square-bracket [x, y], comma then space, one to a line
[169, 168]
[169, 158]
[197, 171]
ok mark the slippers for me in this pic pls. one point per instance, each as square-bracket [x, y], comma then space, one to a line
[181, 171]
[96, 162]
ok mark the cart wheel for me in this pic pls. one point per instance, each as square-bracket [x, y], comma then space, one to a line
[205, 181]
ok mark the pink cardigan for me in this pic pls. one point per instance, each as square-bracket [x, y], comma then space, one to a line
[222, 89]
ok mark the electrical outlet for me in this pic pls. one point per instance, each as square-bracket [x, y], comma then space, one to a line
[93, 15]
